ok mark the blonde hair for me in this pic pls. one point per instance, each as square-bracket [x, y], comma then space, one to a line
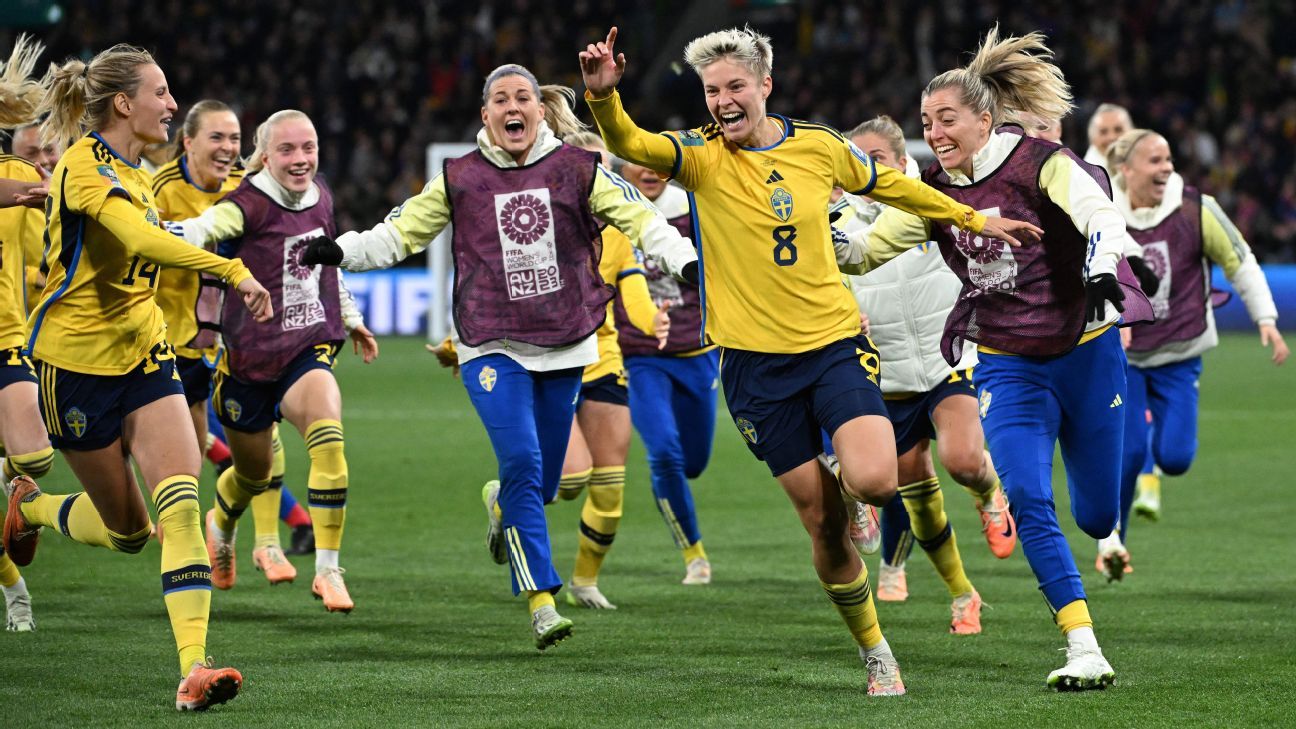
[1009, 77]
[79, 96]
[263, 132]
[558, 101]
[193, 122]
[20, 94]
[585, 140]
[1119, 152]
[744, 46]
[885, 127]
[1107, 108]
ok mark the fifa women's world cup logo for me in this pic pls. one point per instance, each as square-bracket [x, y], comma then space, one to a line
[1157, 256]
[527, 242]
[991, 265]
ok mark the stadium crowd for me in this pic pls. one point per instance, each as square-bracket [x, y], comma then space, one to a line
[388, 78]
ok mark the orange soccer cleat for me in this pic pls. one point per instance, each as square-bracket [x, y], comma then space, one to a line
[965, 614]
[998, 525]
[274, 564]
[206, 687]
[20, 536]
[221, 554]
[329, 587]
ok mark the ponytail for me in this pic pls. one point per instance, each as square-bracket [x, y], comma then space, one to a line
[20, 94]
[559, 102]
[78, 96]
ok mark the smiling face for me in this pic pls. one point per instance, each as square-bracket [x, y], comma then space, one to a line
[648, 182]
[26, 144]
[736, 100]
[292, 154]
[148, 113]
[512, 115]
[877, 147]
[953, 130]
[1147, 171]
[1106, 128]
[213, 150]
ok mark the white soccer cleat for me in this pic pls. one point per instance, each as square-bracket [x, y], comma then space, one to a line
[495, 528]
[588, 596]
[883, 674]
[1113, 559]
[20, 618]
[892, 585]
[697, 572]
[1085, 669]
[865, 529]
[549, 627]
[1147, 501]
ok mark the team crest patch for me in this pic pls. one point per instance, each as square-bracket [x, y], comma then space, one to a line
[233, 408]
[985, 402]
[487, 378]
[109, 174]
[690, 138]
[781, 203]
[76, 420]
[747, 429]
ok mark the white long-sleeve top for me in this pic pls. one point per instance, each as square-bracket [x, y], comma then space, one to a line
[414, 224]
[1065, 182]
[1222, 244]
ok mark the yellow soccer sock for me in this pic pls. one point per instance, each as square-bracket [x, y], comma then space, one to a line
[71, 514]
[129, 543]
[35, 464]
[265, 514]
[854, 600]
[537, 599]
[694, 551]
[327, 483]
[932, 531]
[234, 492]
[1074, 614]
[186, 573]
[600, 517]
[571, 484]
[9, 574]
[278, 464]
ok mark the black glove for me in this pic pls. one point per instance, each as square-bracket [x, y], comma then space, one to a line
[690, 273]
[321, 250]
[834, 216]
[1098, 291]
[1147, 278]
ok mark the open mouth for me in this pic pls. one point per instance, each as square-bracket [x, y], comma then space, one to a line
[732, 120]
[299, 173]
[944, 150]
[222, 162]
[515, 129]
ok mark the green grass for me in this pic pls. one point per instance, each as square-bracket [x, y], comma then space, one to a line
[1201, 633]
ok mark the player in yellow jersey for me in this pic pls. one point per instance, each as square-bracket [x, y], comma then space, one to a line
[108, 383]
[21, 430]
[600, 434]
[25, 143]
[793, 359]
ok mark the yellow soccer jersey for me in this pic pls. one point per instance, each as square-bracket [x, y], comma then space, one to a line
[21, 229]
[97, 315]
[617, 265]
[178, 197]
[769, 272]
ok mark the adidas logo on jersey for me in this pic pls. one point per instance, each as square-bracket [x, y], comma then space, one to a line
[1117, 402]
[774, 177]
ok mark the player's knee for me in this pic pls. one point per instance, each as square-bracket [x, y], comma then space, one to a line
[132, 543]
[1176, 461]
[1097, 523]
[872, 488]
[666, 461]
[966, 467]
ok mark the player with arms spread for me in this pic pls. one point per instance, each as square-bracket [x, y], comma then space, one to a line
[793, 359]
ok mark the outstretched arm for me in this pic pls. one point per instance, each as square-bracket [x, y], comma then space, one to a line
[602, 68]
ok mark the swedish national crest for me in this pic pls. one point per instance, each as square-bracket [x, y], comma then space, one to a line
[781, 203]
[487, 378]
[76, 420]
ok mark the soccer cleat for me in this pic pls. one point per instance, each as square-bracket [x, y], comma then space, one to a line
[588, 596]
[329, 587]
[20, 536]
[549, 627]
[274, 564]
[20, 618]
[1113, 559]
[1147, 501]
[1084, 670]
[495, 528]
[998, 525]
[865, 529]
[303, 540]
[206, 687]
[883, 674]
[965, 614]
[221, 554]
[892, 586]
[697, 572]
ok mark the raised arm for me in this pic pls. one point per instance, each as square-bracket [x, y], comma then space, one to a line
[602, 68]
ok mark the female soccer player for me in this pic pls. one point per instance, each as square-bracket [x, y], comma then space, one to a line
[282, 368]
[108, 383]
[1182, 232]
[600, 433]
[673, 389]
[793, 362]
[1050, 365]
[527, 299]
[907, 303]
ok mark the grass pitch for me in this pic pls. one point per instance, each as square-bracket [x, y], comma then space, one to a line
[1201, 632]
